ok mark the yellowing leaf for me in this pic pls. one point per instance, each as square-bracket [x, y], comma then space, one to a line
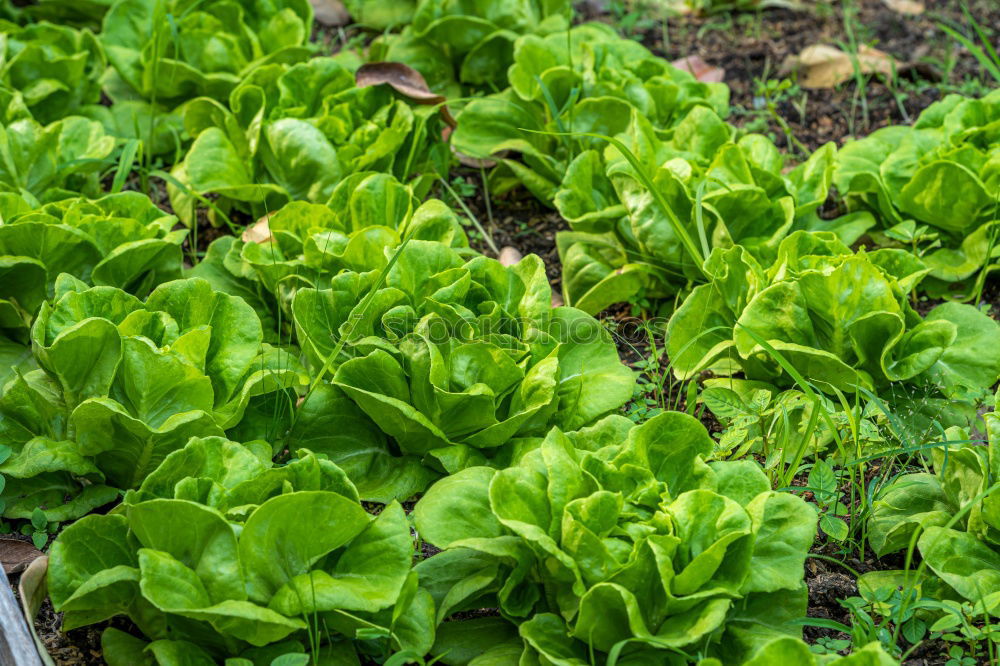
[258, 232]
[905, 6]
[822, 66]
[509, 255]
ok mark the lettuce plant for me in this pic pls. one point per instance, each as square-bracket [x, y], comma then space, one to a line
[953, 515]
[293, 133]
[220, 554]
[468, 43]
[55, 161]
[934, 187]
[170, 51]
[306, 244]
[587, 79]
[616, 537]
[121, 240]
[840, 319]
[712, 192]
[55, 68]
[452, 359]
[121, 383]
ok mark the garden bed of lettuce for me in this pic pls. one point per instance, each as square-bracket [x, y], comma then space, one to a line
[528, 348]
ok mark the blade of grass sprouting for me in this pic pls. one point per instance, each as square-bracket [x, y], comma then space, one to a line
[486, 195]
[363, 307]
[913, 449]
[822, 623]
[675, 223]
[472, 218]
[699, 218]
[834, 560]
[901, 434]
[923, 562]
[696, 338]
[799, 380]
[125, 162]
[163, 175]
[800, 452]
[982, 36]
[551, 103]
[973, 48]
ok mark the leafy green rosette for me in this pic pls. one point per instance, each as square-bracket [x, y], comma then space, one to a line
[60, 160]
[56, 69]
[120, 240]
[121, 383]
[170, 51]
[219, 554]
[464, 44]
[708, 190]
[453, 358]
[952, 515]
[615, 539]
[306, 245]
[293, 133]
[837, 318]
[585, 80]
[934, 187]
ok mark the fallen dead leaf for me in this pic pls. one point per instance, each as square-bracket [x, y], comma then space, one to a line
[330, 12]
[509, 255]
[822, 66]
[912, 7]
[16, 555]
[403, 79]
[557, 301]
[700, 69]
[259, 232]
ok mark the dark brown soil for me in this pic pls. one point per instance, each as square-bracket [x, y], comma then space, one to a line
[77, 647]
[751, 47]
[516, 219]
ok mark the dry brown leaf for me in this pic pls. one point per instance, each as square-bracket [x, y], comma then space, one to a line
[509, 255]
[700, 69]
[259, 232]
[557, 301]
[16, 555]
[822, 66]
[912, 7]
[330, 12]
[403, 79]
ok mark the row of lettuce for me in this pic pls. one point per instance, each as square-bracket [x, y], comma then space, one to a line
[365, 347]
[234, 87]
